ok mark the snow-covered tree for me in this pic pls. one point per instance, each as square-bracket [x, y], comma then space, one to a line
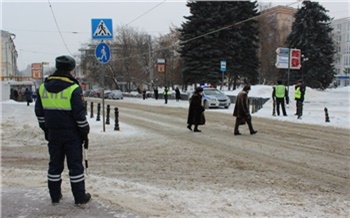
[311, 32]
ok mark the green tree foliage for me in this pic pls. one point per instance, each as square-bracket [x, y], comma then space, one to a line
[215, 31]
[311, 32]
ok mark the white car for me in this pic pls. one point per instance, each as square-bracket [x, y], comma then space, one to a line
[215, 98]
[115, 94]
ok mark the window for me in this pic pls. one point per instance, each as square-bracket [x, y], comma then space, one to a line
[338, 28]
[337, 61]
[346, 60]
[338, 38]
[338, 49]
[347, 51]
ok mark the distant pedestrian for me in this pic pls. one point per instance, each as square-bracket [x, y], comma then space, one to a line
[165, 94]
[279, 94]
[144, 94]
[28, 93]
[177, 94]
[299, 98]
[15, 94]
[195, 111]
[156, 93]
[60, 110]
[242, 112]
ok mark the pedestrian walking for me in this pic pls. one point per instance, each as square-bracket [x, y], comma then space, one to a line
[299, 96]
[165, 94]
[280, 96]
[196, 111]
[242, 112]
[144, 94]
[156, 93]
[60, 111]
[28, 93]
[177, 94]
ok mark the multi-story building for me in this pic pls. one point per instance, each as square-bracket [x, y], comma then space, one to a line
[8, 55]
[274, 26]
[341, 38]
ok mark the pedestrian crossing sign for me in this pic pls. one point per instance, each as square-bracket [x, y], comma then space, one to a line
[102, 28]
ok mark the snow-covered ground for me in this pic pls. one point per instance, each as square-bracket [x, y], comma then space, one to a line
[21, 127]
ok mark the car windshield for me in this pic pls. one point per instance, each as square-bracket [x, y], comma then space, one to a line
[212, 92]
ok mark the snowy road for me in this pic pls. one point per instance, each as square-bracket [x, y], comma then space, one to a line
[154, 166]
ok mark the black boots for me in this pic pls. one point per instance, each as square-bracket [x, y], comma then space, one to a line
[84, 201]
[189, 127]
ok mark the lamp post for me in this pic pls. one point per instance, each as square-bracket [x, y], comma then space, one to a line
[304, 59]
[42, 68]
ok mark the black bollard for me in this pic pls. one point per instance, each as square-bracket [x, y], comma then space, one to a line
[326, 114]
[98, 112]
[116, 116]
[92, 109]
[107, 115]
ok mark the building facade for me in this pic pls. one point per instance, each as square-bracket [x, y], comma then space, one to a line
[9, 55]
[275, 24]
[341, 38]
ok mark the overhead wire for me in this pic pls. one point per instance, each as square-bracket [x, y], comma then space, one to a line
[58, 28]
[145, 12]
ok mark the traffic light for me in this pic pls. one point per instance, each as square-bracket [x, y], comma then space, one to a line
[295, 55]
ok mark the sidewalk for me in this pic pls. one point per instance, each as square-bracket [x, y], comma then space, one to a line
[16, 202]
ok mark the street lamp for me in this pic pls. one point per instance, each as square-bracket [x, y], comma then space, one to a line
[304, 59]
[42, 68]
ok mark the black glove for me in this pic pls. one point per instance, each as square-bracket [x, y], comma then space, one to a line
[86, 141]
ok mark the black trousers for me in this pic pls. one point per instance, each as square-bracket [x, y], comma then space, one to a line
[63, 144]
[280, 102]
[299, 106]
[239, 121]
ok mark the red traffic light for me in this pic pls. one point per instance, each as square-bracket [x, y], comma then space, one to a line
[295, 55]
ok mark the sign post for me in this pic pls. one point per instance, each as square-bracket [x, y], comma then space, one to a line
[101, 28]
[223, 69]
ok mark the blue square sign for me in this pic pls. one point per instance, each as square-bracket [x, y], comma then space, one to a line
[102, 28]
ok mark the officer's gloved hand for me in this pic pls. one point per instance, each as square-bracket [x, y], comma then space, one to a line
[85, 140]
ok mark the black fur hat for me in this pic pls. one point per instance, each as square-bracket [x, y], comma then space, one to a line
[199, 89]
[65, 63]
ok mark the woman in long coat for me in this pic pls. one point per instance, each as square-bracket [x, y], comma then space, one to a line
[195, 110]
[241, 111]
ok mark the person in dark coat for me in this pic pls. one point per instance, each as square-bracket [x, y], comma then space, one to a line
[144, 94]
[156, 93]
[195, 110]
[177, 94]
[61, 114]
[28, 93]
[241, 111]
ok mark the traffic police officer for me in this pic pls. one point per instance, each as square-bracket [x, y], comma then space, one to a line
[299, 98]
[60, 111]
[278, 94]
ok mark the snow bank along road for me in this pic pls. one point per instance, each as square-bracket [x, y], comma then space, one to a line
[154, 166]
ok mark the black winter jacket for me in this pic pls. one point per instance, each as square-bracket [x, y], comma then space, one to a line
[74, 119]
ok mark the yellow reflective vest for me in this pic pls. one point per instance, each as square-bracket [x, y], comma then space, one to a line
[297, 94]
[57, 101]
[280, 91]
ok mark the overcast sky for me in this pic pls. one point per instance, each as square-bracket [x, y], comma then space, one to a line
[38, 39]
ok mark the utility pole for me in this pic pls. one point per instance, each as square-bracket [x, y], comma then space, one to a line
[150, 60]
